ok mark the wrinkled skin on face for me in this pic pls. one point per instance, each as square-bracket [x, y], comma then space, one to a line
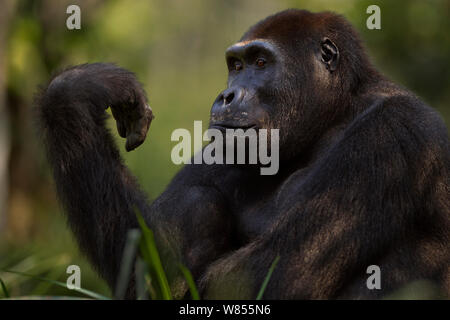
[283, 82]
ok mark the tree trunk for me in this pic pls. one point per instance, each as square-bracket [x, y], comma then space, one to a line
[6, 12]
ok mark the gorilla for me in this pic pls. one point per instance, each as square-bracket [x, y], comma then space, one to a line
[364, 175]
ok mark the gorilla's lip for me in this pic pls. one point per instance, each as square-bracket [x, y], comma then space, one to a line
[224, 126]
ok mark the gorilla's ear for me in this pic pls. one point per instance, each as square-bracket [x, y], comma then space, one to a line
[330, 54]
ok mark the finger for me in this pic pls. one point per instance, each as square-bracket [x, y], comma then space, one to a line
[138, 132]
[134, 140]
[121, 128]
[149, 112]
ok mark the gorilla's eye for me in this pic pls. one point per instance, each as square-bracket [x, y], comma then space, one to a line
[260, 62]
[237, 65]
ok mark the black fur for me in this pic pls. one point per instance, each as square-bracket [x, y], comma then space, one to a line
[364, 176]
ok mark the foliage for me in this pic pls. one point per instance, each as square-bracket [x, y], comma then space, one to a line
[149, 270]
[177, 50]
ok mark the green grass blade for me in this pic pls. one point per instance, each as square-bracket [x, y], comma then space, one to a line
[126, 266]
[4, 289]
[266, 280]
[42, 287]
[140, 271]
[151, 256]
[60, 284]
[190, 281]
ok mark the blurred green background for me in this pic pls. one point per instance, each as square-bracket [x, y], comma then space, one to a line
[176, 47]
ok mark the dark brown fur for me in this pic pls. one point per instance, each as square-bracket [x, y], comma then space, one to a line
[364, 178]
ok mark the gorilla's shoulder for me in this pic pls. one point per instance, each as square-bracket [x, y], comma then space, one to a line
[403, 120]
[408, 111]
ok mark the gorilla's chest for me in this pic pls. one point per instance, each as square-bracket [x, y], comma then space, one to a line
[255, 218]
[256, 206]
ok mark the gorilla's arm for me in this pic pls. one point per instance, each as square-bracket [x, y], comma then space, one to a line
[384, 180]
[98, 192]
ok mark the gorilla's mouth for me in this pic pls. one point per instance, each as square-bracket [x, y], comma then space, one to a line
[224, 126]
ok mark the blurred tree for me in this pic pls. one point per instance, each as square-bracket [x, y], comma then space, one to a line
[33, 57]
[6, 15]
[413, 46]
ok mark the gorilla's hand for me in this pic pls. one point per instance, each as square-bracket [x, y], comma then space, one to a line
[99, 86]
[133, 119]
[132, 112]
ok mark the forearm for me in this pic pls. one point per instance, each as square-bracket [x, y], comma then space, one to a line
[96, 189]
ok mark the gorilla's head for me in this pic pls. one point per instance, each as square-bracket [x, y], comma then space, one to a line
[295, 71]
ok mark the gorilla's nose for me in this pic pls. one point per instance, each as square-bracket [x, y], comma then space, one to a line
[228, 98]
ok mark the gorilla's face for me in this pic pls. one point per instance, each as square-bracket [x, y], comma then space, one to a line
[250, 99]
[267, 89]
[276, 81]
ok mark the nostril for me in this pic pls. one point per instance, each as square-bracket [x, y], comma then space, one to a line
[229, 98]
[219, 98]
